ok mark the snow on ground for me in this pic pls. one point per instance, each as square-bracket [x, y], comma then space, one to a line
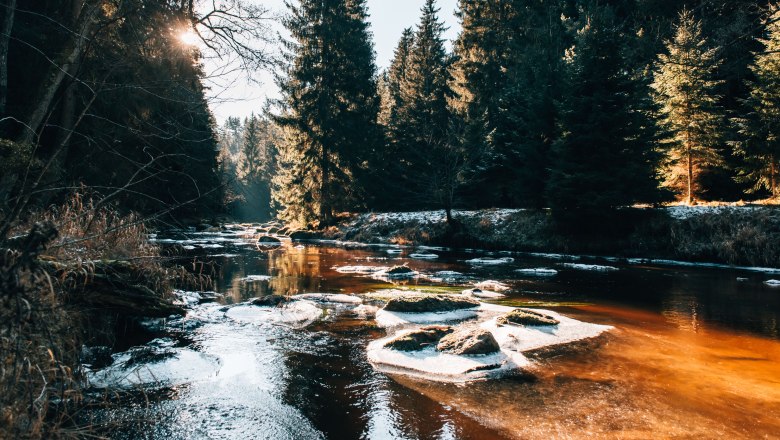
[538, 272]
[682, 212]
[296, 314]
[591, 267]
[493, 215]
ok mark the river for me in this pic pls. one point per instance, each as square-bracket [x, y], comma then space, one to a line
[693, 353]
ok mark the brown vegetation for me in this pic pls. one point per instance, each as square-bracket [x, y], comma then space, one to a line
[67, 276]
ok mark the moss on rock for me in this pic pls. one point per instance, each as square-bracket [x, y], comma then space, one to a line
[419, 339]
[526, 317]
[429, 303]
[469, 341]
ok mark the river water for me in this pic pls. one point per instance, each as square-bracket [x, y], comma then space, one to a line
[694, 353]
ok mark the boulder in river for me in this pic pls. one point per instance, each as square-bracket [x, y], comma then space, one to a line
[469, 341]
[399, 272]
[267, 240]
[526, 317]
[304, 235]
[269, 300]
[419, 339]
[429, 303]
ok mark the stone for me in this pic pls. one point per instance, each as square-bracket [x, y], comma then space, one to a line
[526, 317]
[429, 303]
[419, 339]
[469, 341]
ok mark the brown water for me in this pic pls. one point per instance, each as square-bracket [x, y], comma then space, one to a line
[694, 354]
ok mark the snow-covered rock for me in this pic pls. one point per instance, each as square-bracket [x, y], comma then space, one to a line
[486, 294]
[493, 285]
[338, 298]
[423, 256]
[772, 283]
[590, 267]
[490, 261]
[296, 314]
[538, 272]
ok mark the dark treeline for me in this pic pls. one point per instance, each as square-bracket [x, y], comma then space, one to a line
[576, 105]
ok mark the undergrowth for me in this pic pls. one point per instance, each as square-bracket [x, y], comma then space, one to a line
[62, 276]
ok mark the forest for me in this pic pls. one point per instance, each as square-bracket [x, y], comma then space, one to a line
[565, 108]
[570, 105]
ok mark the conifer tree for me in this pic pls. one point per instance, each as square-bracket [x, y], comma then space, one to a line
[526, 120]
[761, 128]
[686, 93]
[330, 110]
[606, 155]
[420, 129]
[481, 71]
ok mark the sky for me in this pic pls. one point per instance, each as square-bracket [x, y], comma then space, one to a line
[233, 95]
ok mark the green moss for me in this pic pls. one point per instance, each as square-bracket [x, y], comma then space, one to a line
[526, 317]
[429, 303]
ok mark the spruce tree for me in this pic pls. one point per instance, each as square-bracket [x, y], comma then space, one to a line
[686, 93]
[527, 115]
[330, 108]
[420, 129]
[605, 157]
[761, 128]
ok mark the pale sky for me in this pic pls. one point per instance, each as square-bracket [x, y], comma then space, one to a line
[233, 95]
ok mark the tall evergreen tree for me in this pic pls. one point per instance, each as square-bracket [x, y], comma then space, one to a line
[420, 129]
[685, 90]
[329, 110]
[606, 156]
[760, 129]
[526, 121]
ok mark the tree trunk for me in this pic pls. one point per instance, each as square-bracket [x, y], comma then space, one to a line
[690, 173]
[57, 74]
[326, 213]
[773, 177]
[5, 38]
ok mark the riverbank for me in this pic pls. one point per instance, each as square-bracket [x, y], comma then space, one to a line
[734, 235]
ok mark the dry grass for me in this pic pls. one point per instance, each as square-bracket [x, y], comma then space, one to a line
[53, 295]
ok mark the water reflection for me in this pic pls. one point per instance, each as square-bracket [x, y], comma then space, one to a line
[694, 354]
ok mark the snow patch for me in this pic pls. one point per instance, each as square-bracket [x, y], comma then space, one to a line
[424, 256]
[338, 298]
[396, 319]
[490, 261]
[296, 314]
[493, 285]
[255, 278]
[538, 272]
[590, 267]
[772, 283]
[361, 269]
[155, 368]
[486, 294]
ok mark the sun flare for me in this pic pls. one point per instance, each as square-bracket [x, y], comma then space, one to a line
[189, 37]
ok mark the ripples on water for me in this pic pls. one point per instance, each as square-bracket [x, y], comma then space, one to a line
[694, 354]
